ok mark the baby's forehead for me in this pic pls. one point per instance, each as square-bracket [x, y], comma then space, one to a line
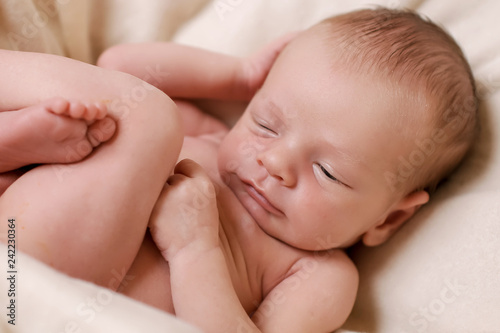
[400, 105]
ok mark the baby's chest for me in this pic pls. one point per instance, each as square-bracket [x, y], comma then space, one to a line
[257, 263]
[261, 272]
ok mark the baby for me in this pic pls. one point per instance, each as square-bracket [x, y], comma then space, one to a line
[312, 167]
[250, 237]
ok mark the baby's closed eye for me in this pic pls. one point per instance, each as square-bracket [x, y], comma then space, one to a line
[328, 174]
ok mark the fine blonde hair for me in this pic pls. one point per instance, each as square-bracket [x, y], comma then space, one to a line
[434, 84]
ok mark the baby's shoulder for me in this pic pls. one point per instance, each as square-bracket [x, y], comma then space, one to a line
[333, 261]
[323, 283]
[329, 271]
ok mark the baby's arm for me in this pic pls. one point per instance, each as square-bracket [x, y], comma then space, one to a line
[316, 296]
[185, 227]
[182, 71]
[192, 73]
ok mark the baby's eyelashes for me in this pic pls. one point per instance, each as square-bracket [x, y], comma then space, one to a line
[264, 127]
[329, 175]
[326, 173]
[267, 128]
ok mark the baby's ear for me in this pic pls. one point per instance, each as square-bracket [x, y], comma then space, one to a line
[401, 212]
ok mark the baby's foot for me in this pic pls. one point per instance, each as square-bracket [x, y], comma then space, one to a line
[100, 128]
[59, 131]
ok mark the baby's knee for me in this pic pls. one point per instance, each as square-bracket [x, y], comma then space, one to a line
[167, 122]
[147, 119]
[163, 131]
[159, 123]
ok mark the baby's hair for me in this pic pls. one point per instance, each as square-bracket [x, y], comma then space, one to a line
[427, 73]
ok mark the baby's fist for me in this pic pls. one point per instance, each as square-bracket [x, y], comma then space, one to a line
[185, 215]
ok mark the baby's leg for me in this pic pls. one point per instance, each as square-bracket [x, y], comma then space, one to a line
[148, 279]
[9, 177]
[54, 131]
[88, 219]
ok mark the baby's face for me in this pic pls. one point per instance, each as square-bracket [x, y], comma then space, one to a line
[307, 158]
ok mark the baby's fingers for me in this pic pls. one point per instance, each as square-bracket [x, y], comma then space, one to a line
[276, 46]
[190, 169]
[199, 177]
[175, 179]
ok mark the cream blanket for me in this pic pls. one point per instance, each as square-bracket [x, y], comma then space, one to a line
[439, 274]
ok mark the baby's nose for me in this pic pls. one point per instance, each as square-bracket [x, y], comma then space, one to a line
[279, 165]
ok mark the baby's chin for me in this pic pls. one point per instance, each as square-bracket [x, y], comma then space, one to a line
[324, 243]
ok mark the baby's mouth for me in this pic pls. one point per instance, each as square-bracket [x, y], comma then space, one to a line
[261, 199]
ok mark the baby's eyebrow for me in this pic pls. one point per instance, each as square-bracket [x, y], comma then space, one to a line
[269, 105]
[352, 162]
[267, 102]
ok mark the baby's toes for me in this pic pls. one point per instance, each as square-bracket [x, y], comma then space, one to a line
[90, 112]
[76, 110]
[102, 110]
[101, 131]
[56, 105]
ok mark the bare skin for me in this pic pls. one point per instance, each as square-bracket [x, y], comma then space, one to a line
[53, 131]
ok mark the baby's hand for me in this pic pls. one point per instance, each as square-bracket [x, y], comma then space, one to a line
[259, 65]
[185, 215]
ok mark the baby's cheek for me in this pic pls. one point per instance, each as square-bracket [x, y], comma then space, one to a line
[239, 147]
[228, 159]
